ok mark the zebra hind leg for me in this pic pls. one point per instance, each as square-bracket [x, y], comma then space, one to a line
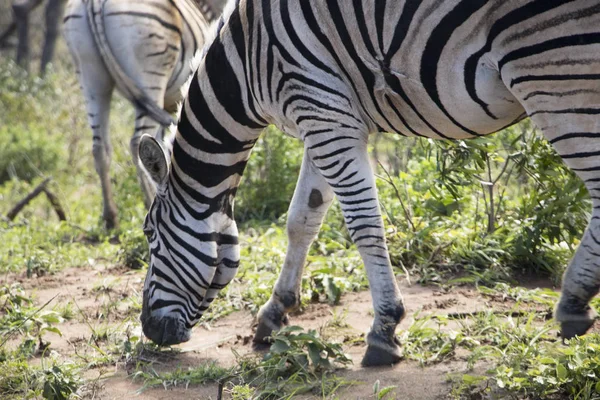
[578, 145]
[309, 205]
[566, 108]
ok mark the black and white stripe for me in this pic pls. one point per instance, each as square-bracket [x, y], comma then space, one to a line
[330, 72]
[144, 49]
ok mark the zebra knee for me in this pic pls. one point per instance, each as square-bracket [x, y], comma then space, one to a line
[100, 150]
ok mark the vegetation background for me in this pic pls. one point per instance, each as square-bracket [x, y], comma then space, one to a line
[481, 212]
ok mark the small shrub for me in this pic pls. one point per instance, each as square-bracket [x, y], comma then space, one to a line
[133, 251]
[27, 153]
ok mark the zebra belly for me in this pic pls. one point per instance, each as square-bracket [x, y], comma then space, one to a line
[413, 113]
[406, 105]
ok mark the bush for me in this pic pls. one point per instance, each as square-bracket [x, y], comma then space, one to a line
[26, 154]
[492, 206]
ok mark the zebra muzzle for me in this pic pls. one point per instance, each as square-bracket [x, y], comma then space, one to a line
[164, 330]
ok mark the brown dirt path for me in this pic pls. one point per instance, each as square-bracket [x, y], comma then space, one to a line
[105, 298]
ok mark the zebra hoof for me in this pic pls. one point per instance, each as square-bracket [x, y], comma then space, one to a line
[262, 336]
[382, 354]
[264, 330]
[570, 329]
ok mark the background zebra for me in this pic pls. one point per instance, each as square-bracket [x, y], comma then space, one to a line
[145, 49]
[330, 72]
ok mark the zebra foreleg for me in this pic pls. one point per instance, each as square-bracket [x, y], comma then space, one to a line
[310, 203]
[343, 161]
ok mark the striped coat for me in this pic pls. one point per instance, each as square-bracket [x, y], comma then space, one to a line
[330, 72]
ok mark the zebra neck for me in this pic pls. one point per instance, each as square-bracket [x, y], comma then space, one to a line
[212, 145]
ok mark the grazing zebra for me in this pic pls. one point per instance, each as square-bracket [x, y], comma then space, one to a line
[145, 49]
[330, 72]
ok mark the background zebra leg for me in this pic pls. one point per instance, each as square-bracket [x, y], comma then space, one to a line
[21, 10]
[97, 86]
[310, 203]
[343, 160]
[54, 13]
[98, 105]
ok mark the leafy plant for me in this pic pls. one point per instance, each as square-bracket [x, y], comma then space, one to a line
[297, 362]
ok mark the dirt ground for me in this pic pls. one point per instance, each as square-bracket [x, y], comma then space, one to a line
[102, 300]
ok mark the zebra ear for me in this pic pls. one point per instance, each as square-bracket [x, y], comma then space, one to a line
[153, 159]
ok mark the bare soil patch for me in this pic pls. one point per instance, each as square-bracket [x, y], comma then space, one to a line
[104, 298]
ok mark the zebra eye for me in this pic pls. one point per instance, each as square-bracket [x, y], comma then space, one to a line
[148, 232]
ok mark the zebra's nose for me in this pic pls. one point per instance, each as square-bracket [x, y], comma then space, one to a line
[165, 331]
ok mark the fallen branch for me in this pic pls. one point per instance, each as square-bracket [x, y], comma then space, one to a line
[42, 187]
[60, 212]
[32, 195]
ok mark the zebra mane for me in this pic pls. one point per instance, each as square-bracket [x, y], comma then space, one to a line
[215, 31]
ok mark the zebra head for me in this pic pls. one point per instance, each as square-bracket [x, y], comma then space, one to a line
[193, 254]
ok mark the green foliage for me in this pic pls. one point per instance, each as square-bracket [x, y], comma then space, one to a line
[529, 363]
[133, 251]
[202, 374]
[20, 380]
[18, 315]
[381, 393]
[490, 206]
[27, 154]
[429, 345]
[297, 362]
[270, 177]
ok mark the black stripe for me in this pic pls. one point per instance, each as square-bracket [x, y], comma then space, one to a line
[440, 36]
[514, 17]
[553, 44]
[553, 77]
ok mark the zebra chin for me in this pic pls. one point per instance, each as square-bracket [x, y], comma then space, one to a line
[164, 330]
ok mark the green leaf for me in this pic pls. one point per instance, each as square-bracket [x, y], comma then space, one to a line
[279, 347]
[561, 372]
[385, 391]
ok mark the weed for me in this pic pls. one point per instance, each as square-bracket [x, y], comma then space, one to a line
[20, 380]
[203, 374]
[297, 362]
[382, 393]
[430, 345]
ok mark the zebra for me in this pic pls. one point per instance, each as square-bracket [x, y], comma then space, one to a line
[145, 49]
[331, 72]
